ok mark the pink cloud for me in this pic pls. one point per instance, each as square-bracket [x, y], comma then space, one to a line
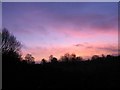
[85, 33]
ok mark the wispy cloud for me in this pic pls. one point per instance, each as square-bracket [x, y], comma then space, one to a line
[77, 45]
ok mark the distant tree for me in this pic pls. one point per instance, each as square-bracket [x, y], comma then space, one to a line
[72, 57]
[30, 59]
[103, 56]
[67, 55]
[24, 62]
[50, 57]
[53, 59]
[95, 57]
[109, 56]
[65, 58]
[43, 61]
[79, 58]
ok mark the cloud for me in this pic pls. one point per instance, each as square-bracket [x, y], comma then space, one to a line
[79, 45]
[105, 19]
[89, 47]
[112, 49]
[68, 19]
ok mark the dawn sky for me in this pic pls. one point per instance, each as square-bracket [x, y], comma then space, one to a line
[46, 29]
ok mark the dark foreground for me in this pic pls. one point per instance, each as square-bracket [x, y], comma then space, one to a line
[103, 73]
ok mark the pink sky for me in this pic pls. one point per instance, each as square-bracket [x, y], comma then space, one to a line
[46, 29]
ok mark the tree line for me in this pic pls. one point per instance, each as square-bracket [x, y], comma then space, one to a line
[11, 49]
[70, 71]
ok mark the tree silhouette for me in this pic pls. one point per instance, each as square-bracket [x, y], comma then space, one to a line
[9, 42]
[52, 59]
[79, 58]
[65, 58]
[43, 61]
[95, 57]
[29, 58]
[10, 48]
[72, 57]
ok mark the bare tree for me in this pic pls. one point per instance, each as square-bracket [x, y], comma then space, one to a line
[9, 42]
[10, 48]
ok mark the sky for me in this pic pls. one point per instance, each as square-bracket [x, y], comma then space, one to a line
[60, 0]
[46, 29]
